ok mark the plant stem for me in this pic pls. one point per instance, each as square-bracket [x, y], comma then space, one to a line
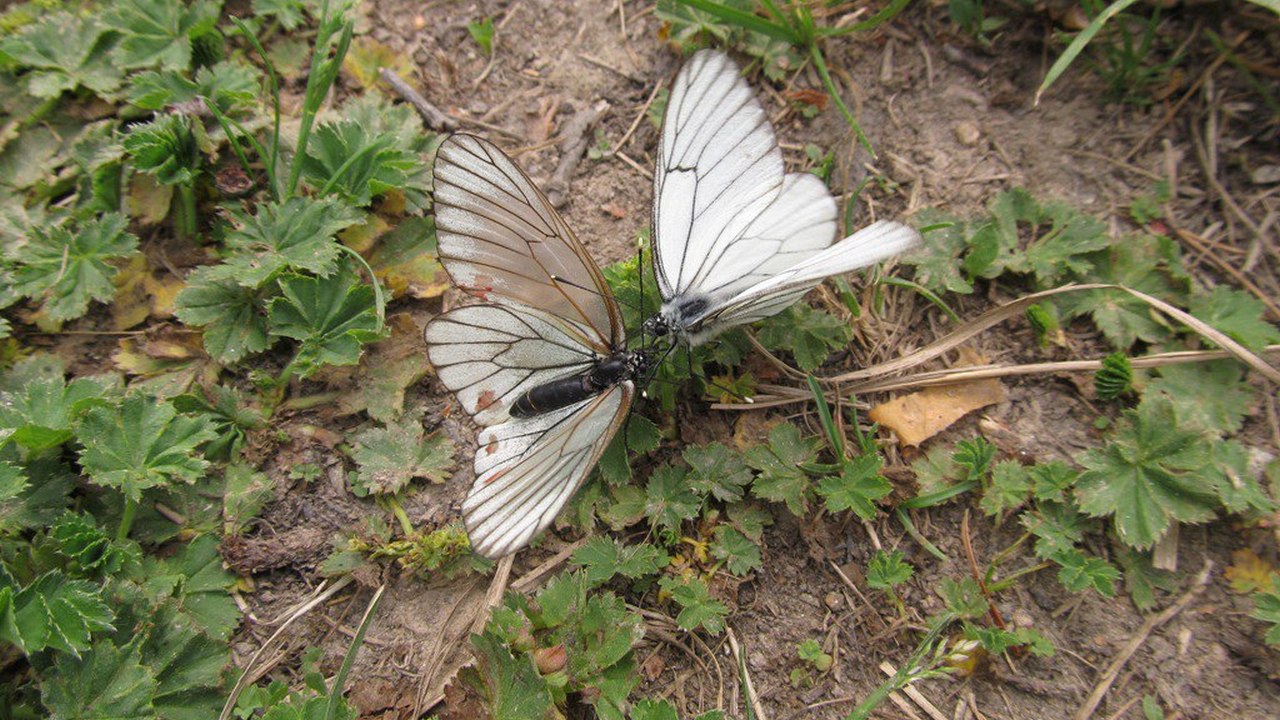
[903, 676]
[910, 527]
[339, 680]
[393, 502]
[126, 519]
[1008, 582]
[821, 64]
[184, 220]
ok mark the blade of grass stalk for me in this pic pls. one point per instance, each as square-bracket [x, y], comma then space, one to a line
[274, 79]
[340, 680]
[744, 19]
[887, 13]
[324, 70]
[923, 292]
[921, 540]
[1078, 44]
[820, 63]
[903, 676]
[939, 497]
[378, 300]
[824, 414]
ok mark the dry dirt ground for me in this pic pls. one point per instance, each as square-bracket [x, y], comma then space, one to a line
[921, 90]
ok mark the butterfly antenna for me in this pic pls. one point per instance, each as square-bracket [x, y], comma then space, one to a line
[640, 278]
[593, 291]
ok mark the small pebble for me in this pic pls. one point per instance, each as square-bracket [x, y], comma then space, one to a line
[832, 600]
[967, 133]
[1022, 618]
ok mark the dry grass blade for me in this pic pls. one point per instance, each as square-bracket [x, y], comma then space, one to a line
[321, 594]
[875, 378]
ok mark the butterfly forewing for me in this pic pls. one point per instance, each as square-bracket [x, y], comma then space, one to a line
[489, 355]
[528, 468]
[501, 240]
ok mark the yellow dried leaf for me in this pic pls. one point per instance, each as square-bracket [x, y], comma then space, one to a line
[131, 305]
[921, 415]
[1248, 572]
[361, 237]
[164, 292]
[148, 201]
[367, 56]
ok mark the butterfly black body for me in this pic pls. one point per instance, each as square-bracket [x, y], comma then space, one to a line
[563, 392]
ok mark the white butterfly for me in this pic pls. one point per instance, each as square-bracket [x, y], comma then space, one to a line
[542, 363]
[736, 238]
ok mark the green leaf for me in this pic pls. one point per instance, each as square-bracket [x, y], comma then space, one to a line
[654, 710]
[482, 32]
[187, 665]
[247, 493]
[88, 547]
[356, 162]
[159, 32]
[299, 234]
[751, 520]
[668, 500]
[997, 641]
[781, 477]
[230, 87]
[1010, 485]
[937, 260]
[64, 269]
[602, 558]
[166, 148]
[1236, 313]
[936, 470]
[53, 612]
[62, 52]
[390, 457]
[330, 317]
[1050, 481]
[40, 416]
[1266, 607]
[1142, 579]
[1238, 485]
[142, 444]
[739, 554]
[697, 608]
[717, 471]
[974, 457]
[291, 14]
[109, 683]
[1114, 378]
[511, 686]
[641, 436]
[1151, 473]
[1208, 396]
[1145, 263]
[228, 415]
[48, 483]
[233, 318]
[857, 487]
[1056, 526]
[963, 597]
[1080, 572]
[809, 335]
[195, 579]
[888, 569]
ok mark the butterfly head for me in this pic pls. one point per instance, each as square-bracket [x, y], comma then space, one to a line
[640, 362]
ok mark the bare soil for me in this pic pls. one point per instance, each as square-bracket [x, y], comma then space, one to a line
[952, 124]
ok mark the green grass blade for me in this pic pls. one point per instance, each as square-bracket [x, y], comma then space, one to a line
[824, 414]
[1077, 45]
[821, 64]
[925, 293]
[335, 692]
[887, 13]
[744, 19]
[937, 498]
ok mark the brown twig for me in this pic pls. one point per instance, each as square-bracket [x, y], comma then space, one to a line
[1113, 670]
[434, 117]
[574, 145]
[740, 661]
[967, 541]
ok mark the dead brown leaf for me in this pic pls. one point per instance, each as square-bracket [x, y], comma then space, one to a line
[921, 415]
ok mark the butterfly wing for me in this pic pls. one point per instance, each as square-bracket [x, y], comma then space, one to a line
[870, 245]
[489, 355]
[528, 468]
[726, 215]
[500, 240]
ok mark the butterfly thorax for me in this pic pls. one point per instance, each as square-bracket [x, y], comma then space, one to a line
[679, 316]
[561, 393]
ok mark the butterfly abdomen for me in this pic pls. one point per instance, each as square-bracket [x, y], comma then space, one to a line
[567, 391]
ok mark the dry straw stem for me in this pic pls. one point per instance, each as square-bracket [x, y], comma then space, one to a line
[876, 377]
[250, 675]
[740, 660]
[1113, 670]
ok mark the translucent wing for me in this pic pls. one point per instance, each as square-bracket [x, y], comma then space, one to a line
[490, 355]
[726, 215]
[528, 468]
[501, 240]
[870, 245]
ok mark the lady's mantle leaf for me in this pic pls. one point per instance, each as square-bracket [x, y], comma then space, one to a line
[331, 317]
[142, 444]
[235, 323]
[390, 457]
[64, 269]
